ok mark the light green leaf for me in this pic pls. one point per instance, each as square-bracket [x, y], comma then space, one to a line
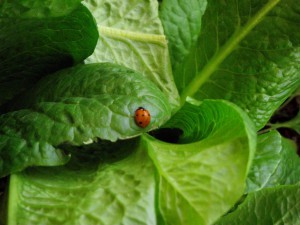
[270, 206]
[34, 45]
[200, 181]
[187, 184]
[136, 15]
[90, 189]
[77, 106]
[248, 53]
[204, 120]
[131, 34]
[182, 25]
[276, 163]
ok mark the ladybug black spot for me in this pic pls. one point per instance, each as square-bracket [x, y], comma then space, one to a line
[142, 117]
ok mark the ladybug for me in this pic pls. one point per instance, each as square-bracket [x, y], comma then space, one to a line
[142, 117]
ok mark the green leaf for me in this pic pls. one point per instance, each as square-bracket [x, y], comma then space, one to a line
[37, 8]
[84, 103]
[276, 163]
[199, 122]
[140, 181]
[33, 46]
[200, 181]
[136, 15]
[182, 26]
[90, 189]
[131, 34]
[274, 206]
[292, 124]
[248, 53]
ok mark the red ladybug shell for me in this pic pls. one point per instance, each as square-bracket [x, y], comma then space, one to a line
[142, 117]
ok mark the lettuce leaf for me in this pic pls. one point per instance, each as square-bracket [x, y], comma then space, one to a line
[131, 34]
[90, 189]
[278, 205]
[276, 163]
[201, 179]
[182, 25]
[44, 43]
[247, 53]
[85, 103]
[143, 180]
[38, 8]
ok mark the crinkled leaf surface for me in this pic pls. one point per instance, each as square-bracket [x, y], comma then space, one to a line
[276, 206]
[134, 181]
[134, 15]
[276, 163]
[74, 106]
[131, 34]
[182, 26]
[33, 45]
[248, 53]
[201, 180]
[98, 186]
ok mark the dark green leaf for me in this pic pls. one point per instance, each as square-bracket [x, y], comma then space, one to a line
[182, 26]
[76, 106]
[248, 53]
[37, 8]
[31, 47]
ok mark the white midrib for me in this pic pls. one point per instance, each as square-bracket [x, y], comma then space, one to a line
[136, 36]
[225, 50]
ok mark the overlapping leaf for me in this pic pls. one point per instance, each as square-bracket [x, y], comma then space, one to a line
[243, 55]
[201, 180]
[131, 34]
[37, 39]
[276, 206]
[98, 186]
[248, 53]
[182, 26]
[262, 71]
[84, 103]
[276, 163]
[195, 183]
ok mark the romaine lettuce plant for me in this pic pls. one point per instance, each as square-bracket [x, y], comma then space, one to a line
[211, 74]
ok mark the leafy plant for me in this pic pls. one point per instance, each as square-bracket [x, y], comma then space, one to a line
[211, 74]
[48, 39]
